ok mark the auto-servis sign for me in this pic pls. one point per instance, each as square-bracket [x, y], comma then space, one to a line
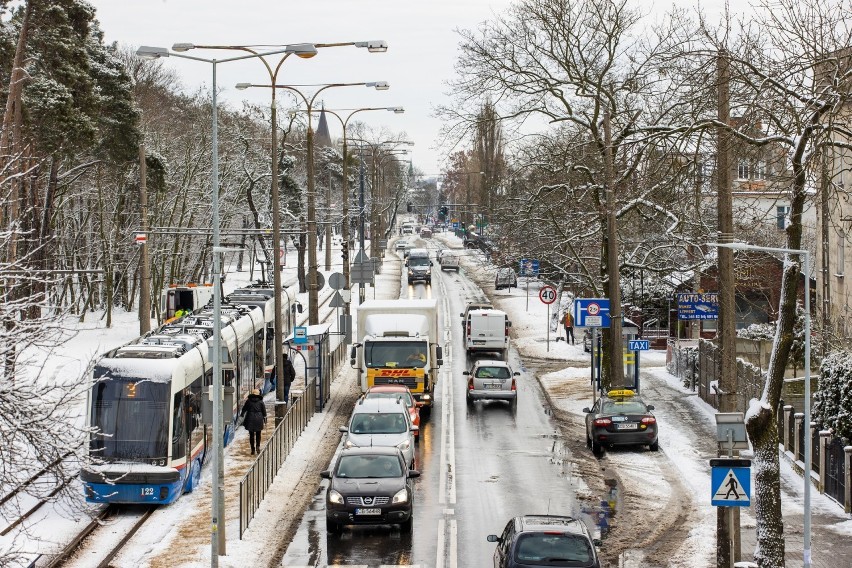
[697, 305]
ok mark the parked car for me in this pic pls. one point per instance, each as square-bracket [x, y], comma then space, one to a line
[398, 392]
[369, 486]
[545, 540]
[505, 278]
[621, 418]
[381, 422]
[491, 380]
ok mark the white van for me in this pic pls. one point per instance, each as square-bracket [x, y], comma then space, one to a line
[487, 330]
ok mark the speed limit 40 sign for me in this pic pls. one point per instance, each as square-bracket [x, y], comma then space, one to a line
[547, 294]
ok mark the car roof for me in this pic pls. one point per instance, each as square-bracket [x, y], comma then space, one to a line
[490, 363]
[533, 523]
[389, 388]
[370, 451]
[378, 405]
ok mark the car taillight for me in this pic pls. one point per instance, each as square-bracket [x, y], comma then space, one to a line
[602, 422]
[514, 386]
[649, 420]
[470, 384]
[468, 328]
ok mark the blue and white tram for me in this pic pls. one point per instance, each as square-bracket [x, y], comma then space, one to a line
[148, 441]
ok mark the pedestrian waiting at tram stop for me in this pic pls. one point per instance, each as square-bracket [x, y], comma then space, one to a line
[254, 418]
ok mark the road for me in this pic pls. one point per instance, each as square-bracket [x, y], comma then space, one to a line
[480, 466]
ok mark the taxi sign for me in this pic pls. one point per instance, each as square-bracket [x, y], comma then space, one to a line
[620, 392]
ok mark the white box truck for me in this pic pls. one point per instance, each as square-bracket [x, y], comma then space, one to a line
[398, 344]
[486, 330]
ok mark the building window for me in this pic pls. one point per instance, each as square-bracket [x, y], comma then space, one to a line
[759, 170]
[742, 170]
[841, 253]
[782, 216]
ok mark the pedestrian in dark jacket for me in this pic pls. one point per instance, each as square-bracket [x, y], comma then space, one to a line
[289, 376]
[254, 413]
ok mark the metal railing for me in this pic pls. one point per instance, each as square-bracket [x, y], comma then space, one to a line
[259, 477]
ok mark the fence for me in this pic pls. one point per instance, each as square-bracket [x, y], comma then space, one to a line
[260, 475]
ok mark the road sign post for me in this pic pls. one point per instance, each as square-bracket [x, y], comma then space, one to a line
[547, 295]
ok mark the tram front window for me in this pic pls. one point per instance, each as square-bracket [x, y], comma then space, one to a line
[131, 420]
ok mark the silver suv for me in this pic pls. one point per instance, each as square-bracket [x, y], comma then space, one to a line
[381, 422]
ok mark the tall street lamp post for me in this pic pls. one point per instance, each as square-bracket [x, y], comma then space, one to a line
[344, 123]
[313, 304]
[806, 270]
[218, 497]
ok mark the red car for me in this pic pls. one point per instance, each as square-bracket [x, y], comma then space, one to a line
[399, 391]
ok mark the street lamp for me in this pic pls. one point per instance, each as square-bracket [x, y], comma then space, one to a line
[313, 304]
[344, 123]
[807, 418]
[218, 501]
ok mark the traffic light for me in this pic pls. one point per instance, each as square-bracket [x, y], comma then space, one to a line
[410, 207]
[443, 211]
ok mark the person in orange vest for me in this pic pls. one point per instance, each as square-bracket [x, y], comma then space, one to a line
[568, 321]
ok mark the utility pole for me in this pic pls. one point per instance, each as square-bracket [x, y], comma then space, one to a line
[145, 268]
[616, 344]
[727, 537]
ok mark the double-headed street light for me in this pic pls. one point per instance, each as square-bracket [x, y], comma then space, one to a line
[218, 500]
[344, 123]
[313, 304]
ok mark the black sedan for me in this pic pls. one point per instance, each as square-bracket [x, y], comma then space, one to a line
[620, 418]
[369, 486]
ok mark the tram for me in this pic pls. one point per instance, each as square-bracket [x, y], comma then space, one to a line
[148, 438]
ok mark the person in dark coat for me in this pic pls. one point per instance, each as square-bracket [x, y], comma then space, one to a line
[254, 417]
[289, 376]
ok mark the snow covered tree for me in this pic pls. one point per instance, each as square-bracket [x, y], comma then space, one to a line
[832, 403]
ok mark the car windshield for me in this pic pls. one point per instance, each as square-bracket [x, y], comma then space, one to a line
[418, 261]
[378, 423]
[493, 373]
[623, 407]
[405, 396]
[553, 549]
[394, 354]
[369, 466]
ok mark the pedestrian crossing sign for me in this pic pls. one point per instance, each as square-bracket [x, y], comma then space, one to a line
[730, 483]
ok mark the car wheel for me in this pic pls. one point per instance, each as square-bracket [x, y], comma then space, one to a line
[588, 441]
[333, 527]
[513, 403]
[470, 400]
[597, 449]
[408, 525]
[655, 446]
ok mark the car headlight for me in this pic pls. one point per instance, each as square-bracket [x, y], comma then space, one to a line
[404, 445]
[335, 497]
[400, 497]
[426, 398]
[349, 444]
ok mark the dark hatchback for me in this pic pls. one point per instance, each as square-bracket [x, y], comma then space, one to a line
[369, 486]
[545, 540]
[621, 419]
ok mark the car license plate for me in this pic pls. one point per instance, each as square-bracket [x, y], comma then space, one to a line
[492, 385]
[628, 426]
[478, 342]
[368, 511]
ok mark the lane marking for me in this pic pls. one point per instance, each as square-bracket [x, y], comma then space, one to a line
[454, 548]
[439, 560]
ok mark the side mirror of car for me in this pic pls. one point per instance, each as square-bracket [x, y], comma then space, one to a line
[465, 372]
[406, 263]
[492, 538]
[509, 323]
[586, 410]
[415, 428]
[325, 474]
[413, 473]
[344, 429]
[597, 542]
[517, 374]
[461, 316]
[650, 407]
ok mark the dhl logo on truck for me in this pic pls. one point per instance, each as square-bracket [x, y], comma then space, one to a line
[398, 372]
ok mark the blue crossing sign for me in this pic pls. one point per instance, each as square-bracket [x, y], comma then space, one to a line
[730, 482]
[639, 345]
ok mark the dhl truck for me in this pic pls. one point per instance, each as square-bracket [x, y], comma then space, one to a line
[399, 345]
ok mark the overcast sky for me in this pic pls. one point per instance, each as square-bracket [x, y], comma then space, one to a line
[421, 35]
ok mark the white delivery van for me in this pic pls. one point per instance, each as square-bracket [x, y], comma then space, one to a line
[487, 330]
